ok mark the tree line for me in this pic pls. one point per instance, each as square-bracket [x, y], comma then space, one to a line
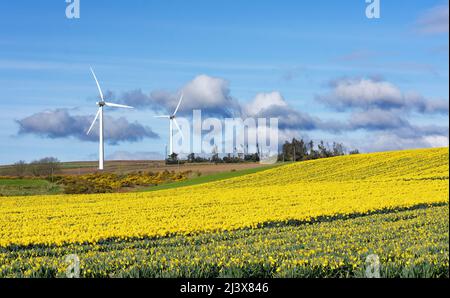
[294, 150]
[44, 167]
[298, 150]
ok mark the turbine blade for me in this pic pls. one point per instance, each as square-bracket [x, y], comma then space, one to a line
[115, 105]
[93, 122]
[178, 127]
[179, 103]
[98, 85]
[163, 116]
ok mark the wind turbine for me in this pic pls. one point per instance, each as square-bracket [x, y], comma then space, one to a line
[173, 121]
[102, 103]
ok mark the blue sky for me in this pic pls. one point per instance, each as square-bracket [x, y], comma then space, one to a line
[293, 49]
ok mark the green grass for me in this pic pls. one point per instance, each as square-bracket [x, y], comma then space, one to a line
[208, 178]
[26, 187]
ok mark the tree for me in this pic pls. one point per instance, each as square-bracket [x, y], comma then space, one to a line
[20, 168]
[172, 159]
[45, 166]
[300, 151]
[338, 149]
[287, 150]
[322, 149]
[191, 157]
[215, 154]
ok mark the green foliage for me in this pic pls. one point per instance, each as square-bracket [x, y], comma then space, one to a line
[229, 158]
[208, 178]
[298, 150]
[110, 182]
[26, 187]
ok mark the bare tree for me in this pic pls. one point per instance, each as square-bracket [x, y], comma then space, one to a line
[20, 168]
[47, 166]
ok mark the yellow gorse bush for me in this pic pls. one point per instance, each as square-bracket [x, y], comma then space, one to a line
[334, 187]
[110, 182]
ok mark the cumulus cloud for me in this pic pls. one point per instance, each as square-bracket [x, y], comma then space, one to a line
[210, 94]
[263, 101]
[385, 141]
[383, 111]
[376, 119]
[393, 123]
[61, 124]
[273, 105]
[369, 93]
[434, 20]
[375, 106]
[436, 141]
[140, 155]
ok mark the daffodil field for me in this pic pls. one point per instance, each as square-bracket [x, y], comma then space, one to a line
[318, 218]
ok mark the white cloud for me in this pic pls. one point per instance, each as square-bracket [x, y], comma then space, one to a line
[264, 101]
[273, 105]
[210, 94]
[61, 124]
[387, 141]
[366, 94]
[437, 141]
[376, 119]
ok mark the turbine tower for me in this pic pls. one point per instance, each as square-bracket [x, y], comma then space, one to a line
[172, 122]
[102, 103]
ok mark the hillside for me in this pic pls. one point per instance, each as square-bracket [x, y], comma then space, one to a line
[333, 188]
[121, 167]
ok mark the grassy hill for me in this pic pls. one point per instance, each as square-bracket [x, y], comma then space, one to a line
[399, 200]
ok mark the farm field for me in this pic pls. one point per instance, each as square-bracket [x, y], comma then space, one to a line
[120, 182]
[24, 187]
[210, 178]
[314, 218]
[412, 243]
[122, 167]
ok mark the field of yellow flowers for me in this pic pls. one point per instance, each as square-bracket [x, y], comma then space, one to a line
[315, 216]
[412, 243]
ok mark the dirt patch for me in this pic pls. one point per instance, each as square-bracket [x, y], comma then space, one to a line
[154, 166]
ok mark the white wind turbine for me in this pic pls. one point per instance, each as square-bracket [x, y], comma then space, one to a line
[172, 121]
[99, 116]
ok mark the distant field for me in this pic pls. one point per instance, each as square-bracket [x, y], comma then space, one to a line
[209, 178]
[25, 187]
[200, 173]
[85, 167]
